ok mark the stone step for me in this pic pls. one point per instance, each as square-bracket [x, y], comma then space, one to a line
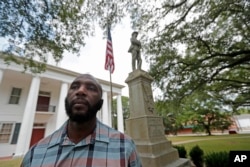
[181, 162]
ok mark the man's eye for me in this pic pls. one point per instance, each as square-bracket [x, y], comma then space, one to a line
[74, 86]
[92, 87]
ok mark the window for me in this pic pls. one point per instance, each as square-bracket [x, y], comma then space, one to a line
[5, 132]
[15, 95]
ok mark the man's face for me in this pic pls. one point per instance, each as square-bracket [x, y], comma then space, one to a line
[83, 99]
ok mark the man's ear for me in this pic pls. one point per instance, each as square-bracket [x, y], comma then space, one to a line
[99, 104]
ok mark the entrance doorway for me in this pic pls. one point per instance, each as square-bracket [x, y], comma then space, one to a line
[37, 134]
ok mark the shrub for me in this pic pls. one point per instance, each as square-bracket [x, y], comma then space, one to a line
[182, 151]
[218, 159]
[196, 154]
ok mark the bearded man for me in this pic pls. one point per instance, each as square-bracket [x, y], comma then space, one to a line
[83, 141]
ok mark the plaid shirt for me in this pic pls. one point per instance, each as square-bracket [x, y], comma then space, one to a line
[105, 147]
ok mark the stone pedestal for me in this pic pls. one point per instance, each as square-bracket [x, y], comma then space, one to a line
[146, 128]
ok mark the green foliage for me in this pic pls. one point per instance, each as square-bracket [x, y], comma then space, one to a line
[196, 154]
[204, 111]
[195, 46]
[244, 111]
[40, 28]
[218, 159]
[201, 109]
[33, 66]
[181, 150]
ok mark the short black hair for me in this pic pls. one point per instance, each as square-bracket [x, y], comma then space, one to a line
[92, 77]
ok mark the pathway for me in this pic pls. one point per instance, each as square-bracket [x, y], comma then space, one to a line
[190, 141]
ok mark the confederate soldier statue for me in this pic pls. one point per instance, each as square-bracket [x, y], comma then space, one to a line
[134, 49]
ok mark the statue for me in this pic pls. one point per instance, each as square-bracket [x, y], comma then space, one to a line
[134, 49]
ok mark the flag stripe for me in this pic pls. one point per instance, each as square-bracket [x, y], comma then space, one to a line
[109, 62]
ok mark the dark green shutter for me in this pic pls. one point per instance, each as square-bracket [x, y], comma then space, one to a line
[16, 133]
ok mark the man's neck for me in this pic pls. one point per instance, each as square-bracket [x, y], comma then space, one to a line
[78, 131]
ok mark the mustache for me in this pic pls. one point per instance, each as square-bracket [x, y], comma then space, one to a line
[80, 101]
[69, 105]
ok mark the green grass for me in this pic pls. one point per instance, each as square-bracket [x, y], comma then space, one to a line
[206, 143]
[213, 143]
[11, 162]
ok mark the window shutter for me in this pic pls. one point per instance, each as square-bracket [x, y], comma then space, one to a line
[16, 133]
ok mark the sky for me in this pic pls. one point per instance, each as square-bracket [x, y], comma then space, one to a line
[92, 56]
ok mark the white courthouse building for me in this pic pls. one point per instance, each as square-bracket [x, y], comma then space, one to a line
[32, 105]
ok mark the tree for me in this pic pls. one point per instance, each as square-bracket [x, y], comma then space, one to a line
[199, 44]
[205, 112]
[201, 109]
[40, 28]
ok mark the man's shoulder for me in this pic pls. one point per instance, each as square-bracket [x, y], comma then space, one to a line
[38, 150]
[113, 133]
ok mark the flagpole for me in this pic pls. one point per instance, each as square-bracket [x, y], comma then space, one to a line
[111, 96]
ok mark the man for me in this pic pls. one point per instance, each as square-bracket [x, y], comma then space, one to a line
[83, 141]
[134, 49]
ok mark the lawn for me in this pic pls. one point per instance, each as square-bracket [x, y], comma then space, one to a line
[11, 163]
[213, 143]
[206, 143]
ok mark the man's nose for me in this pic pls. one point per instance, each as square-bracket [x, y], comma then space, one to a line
[82, 90]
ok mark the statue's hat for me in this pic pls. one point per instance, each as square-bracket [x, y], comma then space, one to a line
[135, 32]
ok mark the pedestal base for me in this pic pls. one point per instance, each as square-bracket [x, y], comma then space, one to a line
[154, 149]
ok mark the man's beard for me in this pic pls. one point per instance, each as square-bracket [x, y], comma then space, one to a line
[80, 118]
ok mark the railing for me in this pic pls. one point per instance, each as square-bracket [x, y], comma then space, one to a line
[45, 108]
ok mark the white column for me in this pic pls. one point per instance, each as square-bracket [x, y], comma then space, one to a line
[105, 117]
[1, 75]
[109, 111]
[28, 118]
[120, 125]
[61, 112]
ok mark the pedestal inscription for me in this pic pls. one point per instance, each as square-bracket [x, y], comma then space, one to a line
[155, 127]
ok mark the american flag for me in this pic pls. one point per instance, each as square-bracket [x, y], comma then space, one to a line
[109, 62]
